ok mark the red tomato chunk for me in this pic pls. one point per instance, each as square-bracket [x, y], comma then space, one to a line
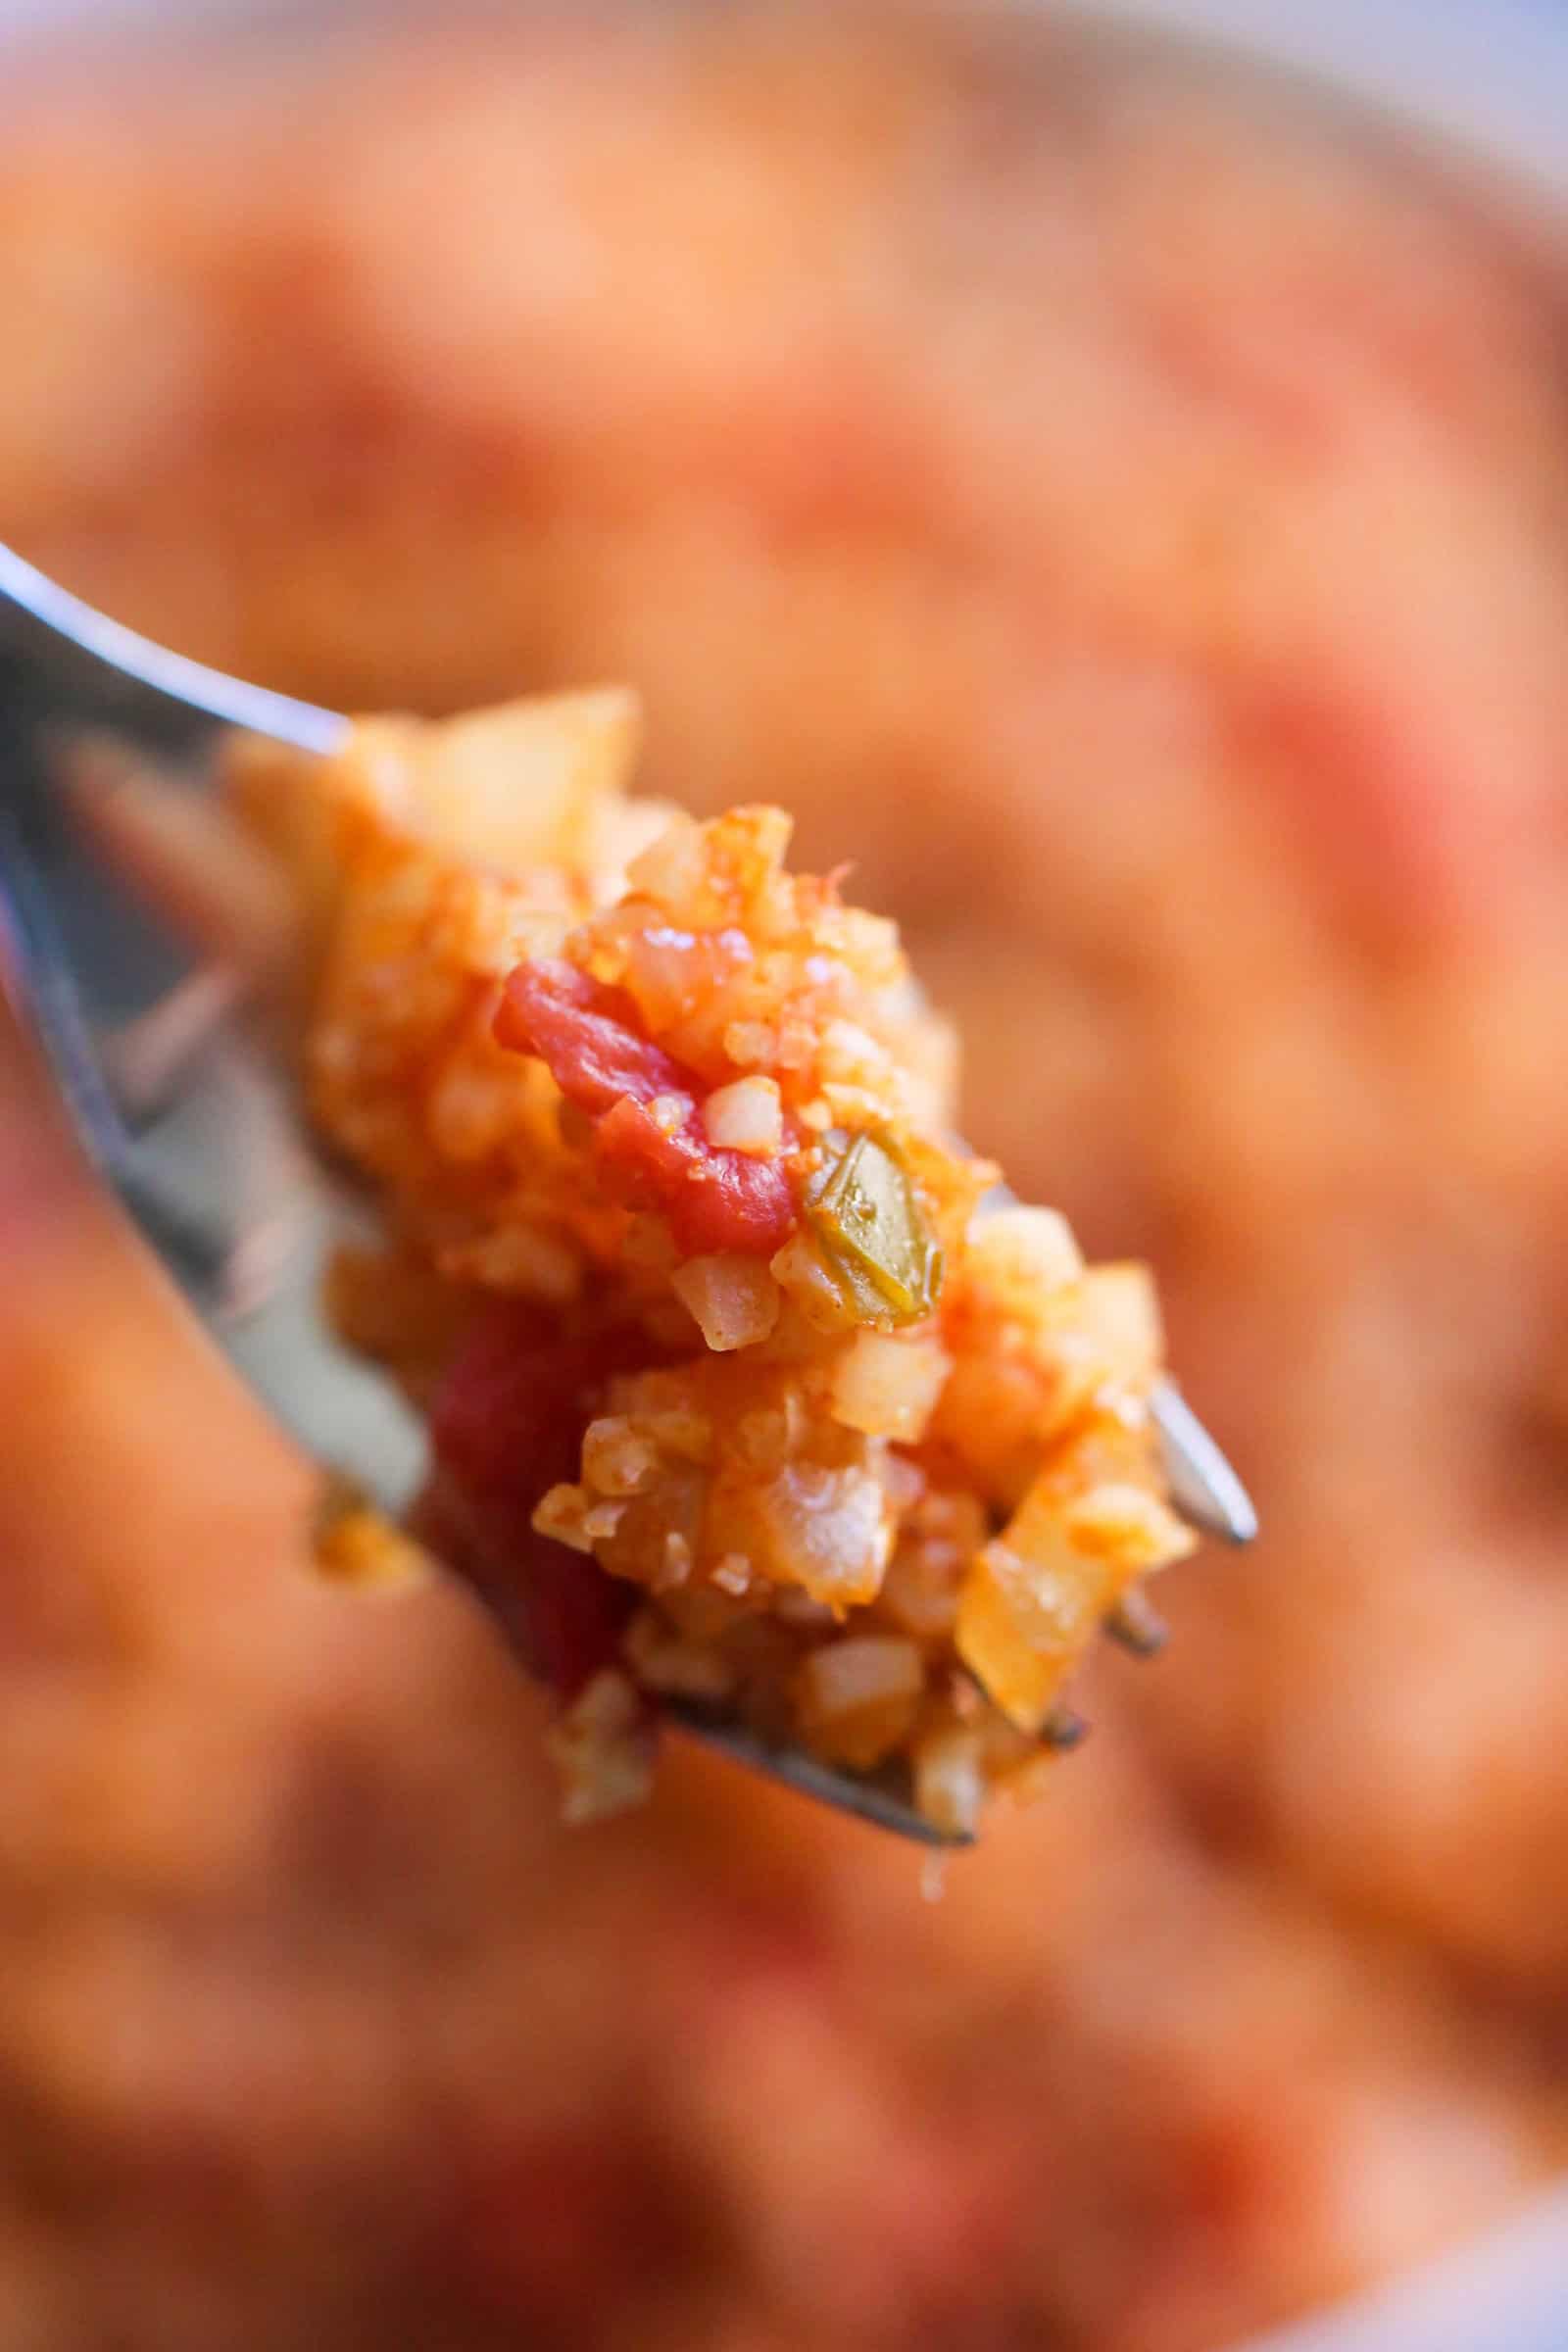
[715, 1199]
[505, 1424]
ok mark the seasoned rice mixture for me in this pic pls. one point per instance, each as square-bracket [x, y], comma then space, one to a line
[740, 1392]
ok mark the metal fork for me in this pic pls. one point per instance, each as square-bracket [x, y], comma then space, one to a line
[214, 1162]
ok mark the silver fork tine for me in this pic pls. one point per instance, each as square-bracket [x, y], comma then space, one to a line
[51, 999]
[231, 1204]
[1204, 1487]
[883, 1799]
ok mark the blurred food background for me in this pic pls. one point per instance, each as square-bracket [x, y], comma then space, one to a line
[1120, 501]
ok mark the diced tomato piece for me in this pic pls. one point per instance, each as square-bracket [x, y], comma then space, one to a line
[507, 1416]
[732, 1203]
[506, 1424]
[595, 1058]
[561, 1612]
[570, 1615]
[630, 1138]
[715, 1199]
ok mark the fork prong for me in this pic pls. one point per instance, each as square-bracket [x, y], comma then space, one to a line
[882, 1800]
[176, 851]
[1137, 1624]
[49, 997]
[148, 1057]
[1204, 1487]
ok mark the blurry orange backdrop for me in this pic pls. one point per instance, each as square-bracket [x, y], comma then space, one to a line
[1123, 508]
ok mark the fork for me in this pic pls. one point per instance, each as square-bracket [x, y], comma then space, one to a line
[200, 1136]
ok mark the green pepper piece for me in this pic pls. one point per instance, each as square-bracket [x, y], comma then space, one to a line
[868, 1220]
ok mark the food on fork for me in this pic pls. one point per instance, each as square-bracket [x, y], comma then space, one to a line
[741, 1389]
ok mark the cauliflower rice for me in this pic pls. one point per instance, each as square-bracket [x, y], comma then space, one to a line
[742, 1389]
